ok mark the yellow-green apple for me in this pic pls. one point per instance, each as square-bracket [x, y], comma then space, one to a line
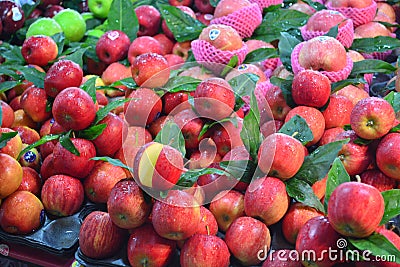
[34, 102]
[378, 179]
[388, 155]
[246, 237]
[214, 99]
[266, 199]
[143, 45]
[297, 215]
[149, 20]
[227, 136]
[372, 118]
[62, 74]
[371, 29]
[323, 53]
[43, 26]
[353, 93]
[145, 246]
[39, 50]
[165, 43]
[317, 235]
[110, 140]
[12, 17]
[99, 8]
[143, 108]
[127, 205]
[222, 37]
[74, 109]
[10, 176]
[338, 111]
[14, 146]
[314, 118]
[277, 103]
[226, 7]
[355, 157]
[99, 237]
[350, 3]
[7, 118]
[28, 135]
[319, 187]
[311, 88]
[274, 153]
[281, 258]
[21, 213]
[204, 6]
[150, 70]
[177, 216]
[158, 166]
[208, 224]
[205, 251]
[112, 46]
[330, 135]
[190, 125]
[62, 195]
[101, 180]
[65, 162]
[72, 24]
[31, 181]
[324, 20]
[365, 215]
[30, 158]
[175, 102]
[227, 206]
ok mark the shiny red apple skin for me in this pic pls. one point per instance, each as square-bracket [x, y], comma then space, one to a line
[143, 45]
[112, 46]
[39, 50]
[34, 103]
[149, 20]
[388, 155]
[150, 70]
[110, 140]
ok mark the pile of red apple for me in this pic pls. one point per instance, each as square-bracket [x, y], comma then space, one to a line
[146, 134]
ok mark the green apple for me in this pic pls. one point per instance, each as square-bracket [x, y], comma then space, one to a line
[100, 8]
[43, 26]
[72, 24]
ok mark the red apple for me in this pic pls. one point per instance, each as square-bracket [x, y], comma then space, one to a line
[10, 176]
[52, 10]
[277, 103]
[47, 168]
[222, 37]
[353, 93]
[190, 125]
[377, 179]
[39, 50]
[99, 237]
[182, 49]
[62, 195]
[246, 237]
[110, 140]
[12, 17]
[371, 29]
[204, 6]
[127, 205]
[350, 3]
[149, 20]
[7, 118]
[150, 70]
[34, 103]
[365, 215]
[175, 102]
[319, 187]
[208, 224]
[337, 113]
[61, 75]
[330, 135]
[143, 45]
[324, 20]
[281, 258]
[30, 158]
[31, 181]
[227, 136]
[14, 146]
[28, 135]
[226, 7]
[266, 199]
[205, 251]
[388, 155]
[112, 46]
[166, 43]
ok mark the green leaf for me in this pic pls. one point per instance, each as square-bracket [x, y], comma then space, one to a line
[90, 87]
[333, 32]
[181, 83]
[302, 192]
[28, 7]
[286, 86]
[341, 84]
[317, 164]
[336, 176]
[189, 177]
[317, 6]
[377, 245]
[387, 24]
[394, 99]
[210, 124]
[376, 44]
[297, 127]
[286, 45]
[214, 3]
[102, 113]
[260, 54]
[362, 141]
[122, 17]
[66, 143]
[41, 141]
[7, 85]
[244, 84]
[5, 137]
[393, 130]
[392, 204]
[92, 132]
[250, 133]
[59, 38]
[279, 21]
[241, 170]
[231, 65]
[371, 66]
[33, 75]
[77, 56]
[183, 27]
[115, 162]
[1, 112]
[11, 53]
[128, 82]
[171, 135]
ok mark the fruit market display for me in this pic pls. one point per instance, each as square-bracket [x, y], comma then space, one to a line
[201, 133]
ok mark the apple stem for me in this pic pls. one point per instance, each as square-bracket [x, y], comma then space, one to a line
[294, 134]
[358, 178]
[208, 230]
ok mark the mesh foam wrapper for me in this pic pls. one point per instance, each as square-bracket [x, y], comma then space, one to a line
[266, 3]
[345, 33]
[358, 15]
[271, 63]
[379, 55]
[210, 57]
[334, 76]
[260, 91]
[244, 20]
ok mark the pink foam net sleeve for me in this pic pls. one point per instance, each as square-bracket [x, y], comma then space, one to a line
[358, 15]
